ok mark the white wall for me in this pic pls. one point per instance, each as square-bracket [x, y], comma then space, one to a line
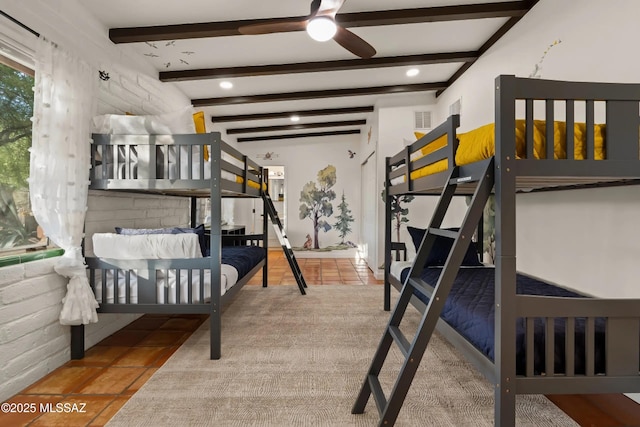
[396, 129]
[302, 160]
[584, 239]
[32, 342]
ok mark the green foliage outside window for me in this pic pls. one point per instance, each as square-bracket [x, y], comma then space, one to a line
[17, 226]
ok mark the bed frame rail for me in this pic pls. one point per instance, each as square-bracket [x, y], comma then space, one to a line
[188, 290]
[167, 163]
[621, 333]
[402, 165]
[616, 106]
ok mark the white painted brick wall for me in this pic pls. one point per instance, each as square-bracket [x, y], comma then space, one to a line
[32, 341]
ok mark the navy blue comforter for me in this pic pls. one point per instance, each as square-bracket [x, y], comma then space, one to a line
[243, 258]
[469, 309]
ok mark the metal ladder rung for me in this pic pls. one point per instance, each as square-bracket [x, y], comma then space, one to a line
[400, 339]
[451, 234]
[378, 394]
[421, 286]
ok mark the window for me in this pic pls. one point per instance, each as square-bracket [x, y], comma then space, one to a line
[19, 230]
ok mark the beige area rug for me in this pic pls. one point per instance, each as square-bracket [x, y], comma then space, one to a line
[293, 360]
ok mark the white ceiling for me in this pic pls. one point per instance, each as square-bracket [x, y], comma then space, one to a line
[293, 47]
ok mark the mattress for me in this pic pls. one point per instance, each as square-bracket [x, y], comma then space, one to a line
[171, 286]
[479, 144]
[469, 309]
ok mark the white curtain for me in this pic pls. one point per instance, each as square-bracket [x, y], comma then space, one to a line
[64, 104]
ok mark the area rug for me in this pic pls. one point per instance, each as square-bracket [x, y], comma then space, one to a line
[293, 360]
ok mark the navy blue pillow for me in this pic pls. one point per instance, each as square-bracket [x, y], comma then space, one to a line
[199, 230]
[442, 247]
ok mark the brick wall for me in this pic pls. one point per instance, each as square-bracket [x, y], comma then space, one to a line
[32, 341]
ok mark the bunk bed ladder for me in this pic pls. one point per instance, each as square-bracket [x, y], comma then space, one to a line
[284, 242]
[413, 351]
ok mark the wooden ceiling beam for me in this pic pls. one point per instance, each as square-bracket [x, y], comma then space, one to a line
[433, 14]
[235, 131]
[317, 66]
[316, 94]
[357, 19]
[299, 135]
[288, 114]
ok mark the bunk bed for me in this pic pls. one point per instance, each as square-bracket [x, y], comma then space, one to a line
[524, 335]
[178, 270]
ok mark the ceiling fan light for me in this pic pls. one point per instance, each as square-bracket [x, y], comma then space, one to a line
[321, 28]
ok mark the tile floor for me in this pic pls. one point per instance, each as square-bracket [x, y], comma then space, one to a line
[318, 271]
[113, 370]
[109, 374]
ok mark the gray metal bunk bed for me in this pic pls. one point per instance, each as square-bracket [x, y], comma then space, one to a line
[174, 165]
[598, 339]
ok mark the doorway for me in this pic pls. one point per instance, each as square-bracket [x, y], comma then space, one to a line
[278, 196]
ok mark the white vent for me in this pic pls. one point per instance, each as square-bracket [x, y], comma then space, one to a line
[423, 120]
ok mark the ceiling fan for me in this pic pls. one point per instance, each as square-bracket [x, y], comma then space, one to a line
[321, 25]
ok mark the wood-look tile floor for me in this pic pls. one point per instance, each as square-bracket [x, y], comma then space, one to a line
[318, 271]
[93, 389]
[88, 392]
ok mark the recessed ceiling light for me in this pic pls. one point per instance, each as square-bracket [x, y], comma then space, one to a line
[412, 72]
[226, 85]
[295, 118]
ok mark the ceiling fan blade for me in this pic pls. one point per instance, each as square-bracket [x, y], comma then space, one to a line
[329, 7]
[353, 43]
[273, 27]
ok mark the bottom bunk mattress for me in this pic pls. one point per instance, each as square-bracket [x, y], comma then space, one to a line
[469, 309]
[172, 285]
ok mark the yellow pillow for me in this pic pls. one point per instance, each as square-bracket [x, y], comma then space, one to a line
[198, 121]
[434, 146]
[476, 145]
[479, 143]
[559, 137]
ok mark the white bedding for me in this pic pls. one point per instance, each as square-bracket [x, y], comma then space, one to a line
[155, 246]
